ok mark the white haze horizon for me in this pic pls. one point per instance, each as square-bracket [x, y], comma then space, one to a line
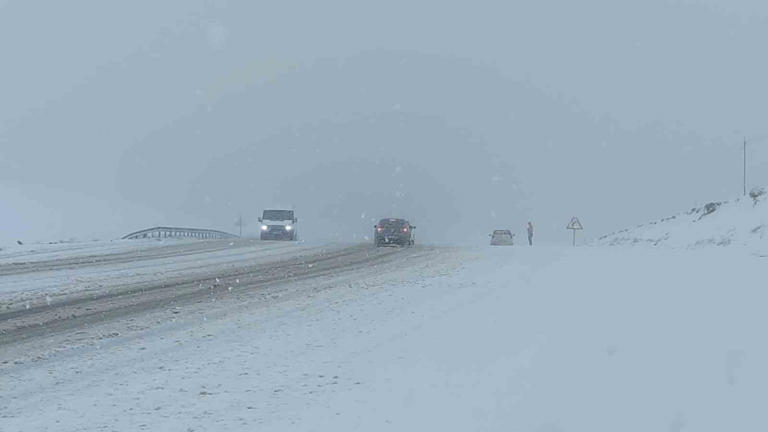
[461, 118]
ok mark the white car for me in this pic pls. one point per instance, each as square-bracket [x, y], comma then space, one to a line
[502, 238]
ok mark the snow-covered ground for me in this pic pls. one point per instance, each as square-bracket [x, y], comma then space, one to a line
[33, 252]
[531, 339]
[741, 222]
[43, 273]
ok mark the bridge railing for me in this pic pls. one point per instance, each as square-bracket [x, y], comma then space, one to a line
[175, 232]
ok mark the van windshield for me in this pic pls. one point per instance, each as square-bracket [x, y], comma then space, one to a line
[278, 215]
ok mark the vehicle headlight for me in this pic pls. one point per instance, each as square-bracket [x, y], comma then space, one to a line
[264, 227]
[288, 227]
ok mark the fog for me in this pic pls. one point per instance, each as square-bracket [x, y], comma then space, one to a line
[461, 117]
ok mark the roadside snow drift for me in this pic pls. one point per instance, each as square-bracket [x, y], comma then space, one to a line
[743, 222]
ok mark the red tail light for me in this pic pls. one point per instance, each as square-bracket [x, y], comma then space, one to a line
[379, 229]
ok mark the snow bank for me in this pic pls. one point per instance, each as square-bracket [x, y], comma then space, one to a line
[742, 222]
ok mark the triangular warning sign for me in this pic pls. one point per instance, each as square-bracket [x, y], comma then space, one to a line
[575, 224]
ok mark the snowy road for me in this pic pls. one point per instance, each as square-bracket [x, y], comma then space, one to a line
[49, 274]
[531, 339]
[241, 274]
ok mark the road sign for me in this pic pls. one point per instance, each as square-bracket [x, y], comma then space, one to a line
[575, 225]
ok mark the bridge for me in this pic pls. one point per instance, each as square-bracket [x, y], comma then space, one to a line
[166, 232]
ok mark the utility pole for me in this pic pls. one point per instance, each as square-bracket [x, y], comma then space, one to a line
[745, 166]
[240, 223]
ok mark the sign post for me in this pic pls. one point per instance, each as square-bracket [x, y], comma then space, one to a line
[575, 225]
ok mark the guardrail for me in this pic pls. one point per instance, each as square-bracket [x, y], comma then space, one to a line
[166, 232]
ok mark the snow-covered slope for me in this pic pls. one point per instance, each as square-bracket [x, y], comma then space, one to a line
[742, 222]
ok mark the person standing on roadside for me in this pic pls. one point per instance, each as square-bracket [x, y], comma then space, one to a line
[530, 233]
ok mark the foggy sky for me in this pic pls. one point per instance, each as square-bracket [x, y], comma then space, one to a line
[462, 116]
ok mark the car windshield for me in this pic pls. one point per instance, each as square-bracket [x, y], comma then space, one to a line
[393, 223]
[278, 215]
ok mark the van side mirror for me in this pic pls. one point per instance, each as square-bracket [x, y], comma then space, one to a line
[260, 220]
[413, 227]
[295, 220]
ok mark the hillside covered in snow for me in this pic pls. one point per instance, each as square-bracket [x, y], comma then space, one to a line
[720, 223]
